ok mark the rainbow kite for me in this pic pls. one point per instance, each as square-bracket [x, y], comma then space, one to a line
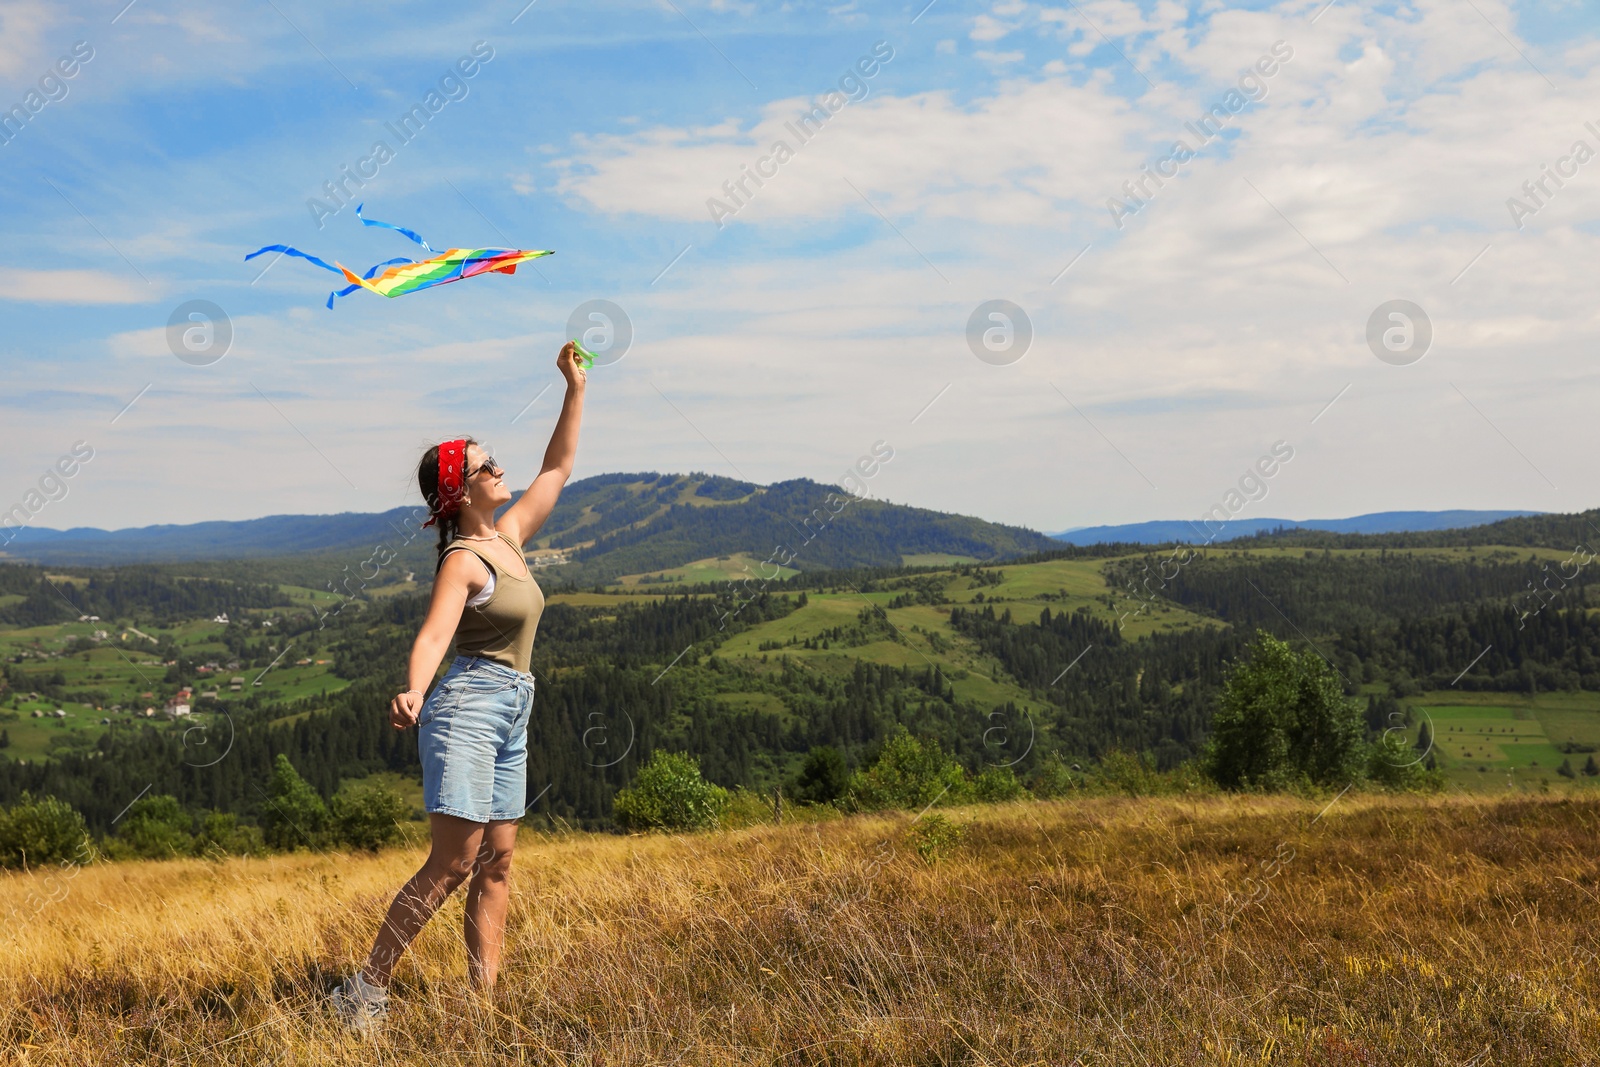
[445, 267]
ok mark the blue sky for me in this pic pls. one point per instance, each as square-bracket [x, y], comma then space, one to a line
[1227, 313]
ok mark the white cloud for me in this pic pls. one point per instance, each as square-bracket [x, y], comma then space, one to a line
[73, 287]
[1012, 158]
[23, 26]
[985, 28]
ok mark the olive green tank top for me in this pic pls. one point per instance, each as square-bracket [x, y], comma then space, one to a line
[502, 628]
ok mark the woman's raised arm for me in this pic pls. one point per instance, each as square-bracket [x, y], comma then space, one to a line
[523, 519]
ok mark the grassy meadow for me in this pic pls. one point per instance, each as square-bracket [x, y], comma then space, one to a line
[1349, 930]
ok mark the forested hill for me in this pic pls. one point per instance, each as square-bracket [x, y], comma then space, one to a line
[605, 526]
[1529, 531]
[1047, 661]
[819, 525]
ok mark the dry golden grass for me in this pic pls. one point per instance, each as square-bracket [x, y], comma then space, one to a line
[1418, 930]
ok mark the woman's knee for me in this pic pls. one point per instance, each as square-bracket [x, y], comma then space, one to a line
[451, 868]
[492, 864]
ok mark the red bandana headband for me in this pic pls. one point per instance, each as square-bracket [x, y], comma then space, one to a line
[452, 457]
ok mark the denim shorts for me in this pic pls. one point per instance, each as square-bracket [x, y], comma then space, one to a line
[473, 740]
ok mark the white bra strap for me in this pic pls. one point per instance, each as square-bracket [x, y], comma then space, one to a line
[487, 591]
[483, 596]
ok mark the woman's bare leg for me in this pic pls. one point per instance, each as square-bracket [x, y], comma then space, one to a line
[456, 843]
[488, 897]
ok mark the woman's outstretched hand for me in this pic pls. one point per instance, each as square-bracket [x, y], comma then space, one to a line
[571, 366]
[403, 710]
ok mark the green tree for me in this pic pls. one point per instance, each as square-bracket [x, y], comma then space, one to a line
[1424, 737]
[34, 832]
[1591, 768]
[155, 827]
[909, 773]
[824, 776]
[1283, 716]
[367, 812]
[1565, 770]
[294, 816]
[670, 794]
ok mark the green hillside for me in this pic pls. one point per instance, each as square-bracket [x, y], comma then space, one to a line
[1486, 657]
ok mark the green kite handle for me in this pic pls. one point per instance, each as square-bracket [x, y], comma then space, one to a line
[588, 356]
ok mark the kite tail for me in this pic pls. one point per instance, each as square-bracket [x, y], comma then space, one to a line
[356, 282]
[397, 229]
[286, 250]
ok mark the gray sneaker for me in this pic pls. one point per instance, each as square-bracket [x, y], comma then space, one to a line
[360, 1005]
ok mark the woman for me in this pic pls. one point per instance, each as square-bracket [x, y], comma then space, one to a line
[474, 725]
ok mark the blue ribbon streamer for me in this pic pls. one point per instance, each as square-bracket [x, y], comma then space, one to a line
[397, 229]
[286, 250]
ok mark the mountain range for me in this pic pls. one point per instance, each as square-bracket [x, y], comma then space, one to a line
[605, 526]
[618, 524]
[1167, 531]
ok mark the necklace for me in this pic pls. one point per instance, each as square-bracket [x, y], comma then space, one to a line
[469, 537]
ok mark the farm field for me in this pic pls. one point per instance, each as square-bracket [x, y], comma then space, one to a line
[1485, 740]
[735, 567]
[1095, 931]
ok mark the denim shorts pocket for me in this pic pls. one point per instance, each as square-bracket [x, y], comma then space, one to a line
[430, 707]
[481, 684]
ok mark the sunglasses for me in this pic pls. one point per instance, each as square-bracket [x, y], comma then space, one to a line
[487, 465]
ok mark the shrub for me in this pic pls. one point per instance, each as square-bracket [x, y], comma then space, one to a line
[1394, 764]
[933, 836]
[293, 816]
[1053, 778]
[669, 794]
[823, 778]
[996, 784]
[367, 812]
[909, 773]
[1128, 773]
[221, 834]
[154, 827]
[746, 807]
[36, 832]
